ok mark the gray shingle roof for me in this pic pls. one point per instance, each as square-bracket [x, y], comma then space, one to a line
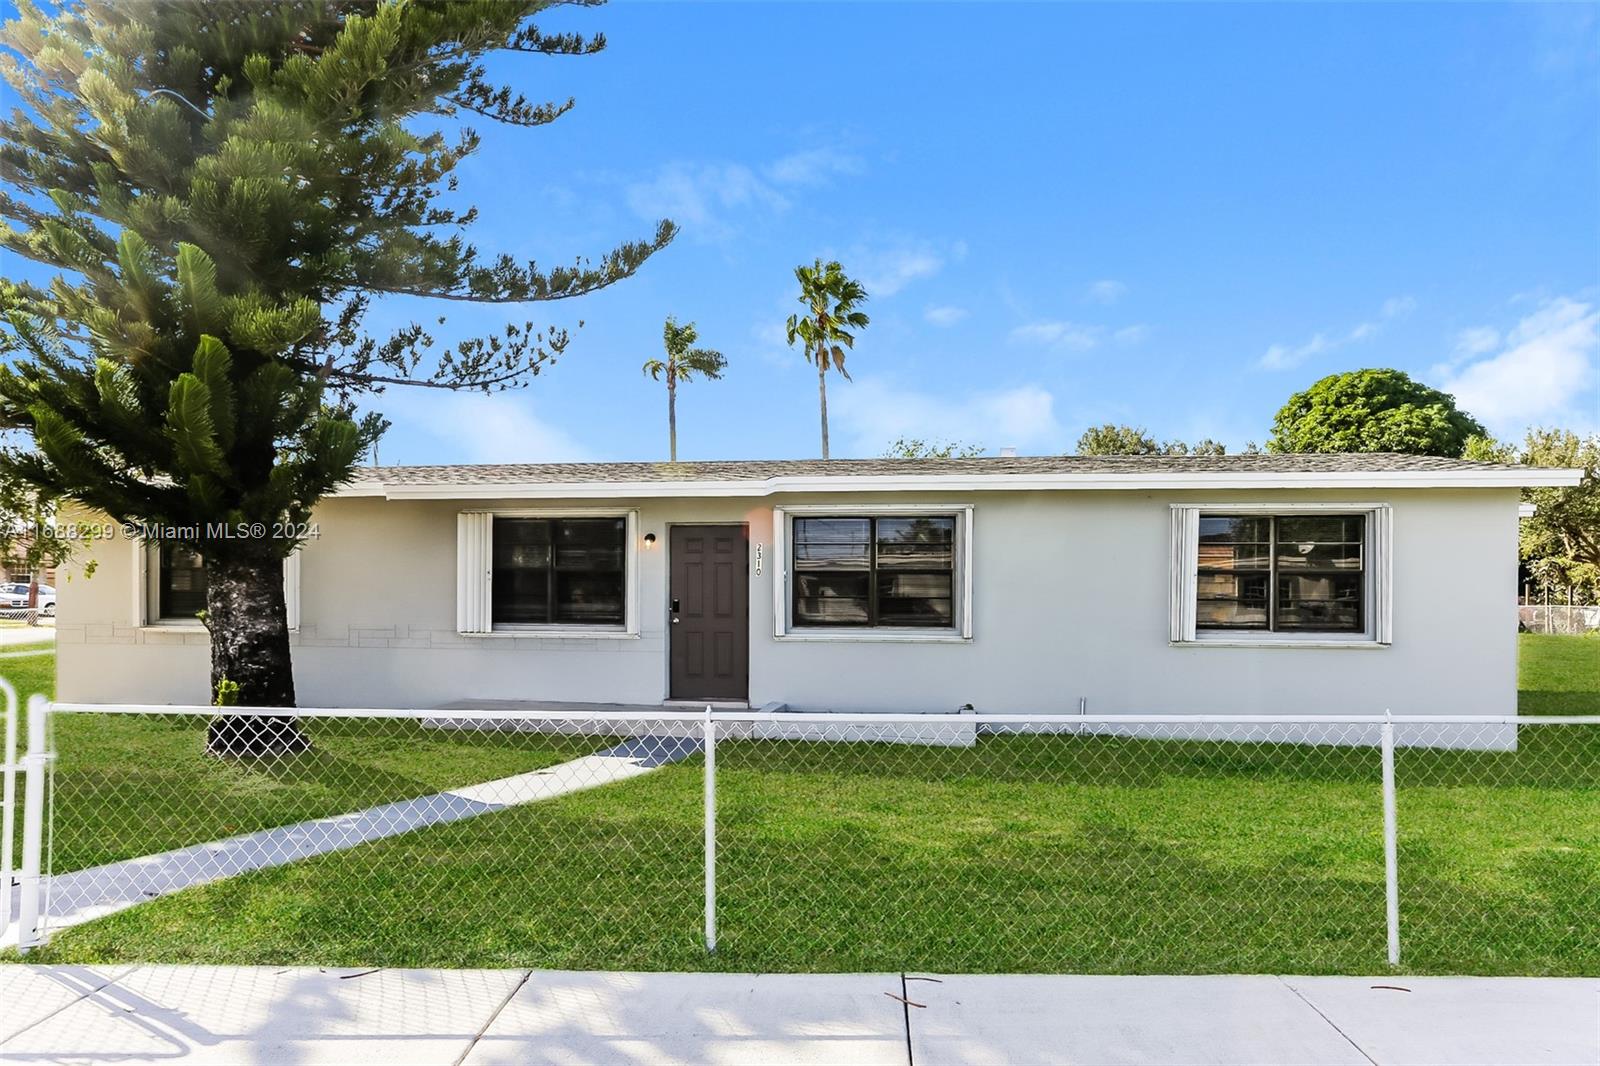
[764, 469]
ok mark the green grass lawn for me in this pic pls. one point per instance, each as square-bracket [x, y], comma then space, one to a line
[131, 785]
[1026, 853]
[29, 673]
[1558, 675]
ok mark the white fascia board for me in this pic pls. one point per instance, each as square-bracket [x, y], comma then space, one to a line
[365, 488]
[1166, 481]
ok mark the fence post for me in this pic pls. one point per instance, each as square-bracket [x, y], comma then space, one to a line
[1391, 872]
[9, 803]
[711, 832]
[30, 884]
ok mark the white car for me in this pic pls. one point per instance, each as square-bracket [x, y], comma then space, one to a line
[15, 597]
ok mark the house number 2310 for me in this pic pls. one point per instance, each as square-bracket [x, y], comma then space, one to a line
[758, 560]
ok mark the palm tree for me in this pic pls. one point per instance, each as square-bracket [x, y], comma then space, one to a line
[683, 362]
[825, 330]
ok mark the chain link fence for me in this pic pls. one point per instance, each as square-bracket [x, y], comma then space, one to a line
[1572, 619]
[28, 616]
[804, 842]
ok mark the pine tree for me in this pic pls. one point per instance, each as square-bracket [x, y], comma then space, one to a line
[224, 187]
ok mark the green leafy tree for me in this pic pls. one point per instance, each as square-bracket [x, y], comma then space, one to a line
[222, 189]
[1372, 411]
[829, 325]
[682, 363]
[917, 448]
[1113, 439]
[1560, 542]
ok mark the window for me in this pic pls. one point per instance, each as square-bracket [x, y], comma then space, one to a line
[1282, 575]
[874, 571]
[559, 571]
[171, 585]
[1289, 573]
[181, 583]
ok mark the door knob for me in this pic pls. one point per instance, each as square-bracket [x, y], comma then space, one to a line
[674, 619]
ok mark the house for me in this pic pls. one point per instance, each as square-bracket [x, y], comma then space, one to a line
[14, 567]
[1254, 584]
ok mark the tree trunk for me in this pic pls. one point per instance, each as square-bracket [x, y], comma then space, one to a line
[822, 393]
[672, 415]
[249, 627]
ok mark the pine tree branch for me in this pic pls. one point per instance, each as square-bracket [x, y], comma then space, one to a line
[361, 379]
[526, 115]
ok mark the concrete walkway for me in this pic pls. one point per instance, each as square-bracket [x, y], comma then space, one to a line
[203, 1014]
[84, 895]
[15, 636]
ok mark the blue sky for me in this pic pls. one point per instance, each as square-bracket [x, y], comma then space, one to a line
[1173, 216]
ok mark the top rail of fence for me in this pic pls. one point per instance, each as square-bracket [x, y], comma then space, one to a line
[651, 714]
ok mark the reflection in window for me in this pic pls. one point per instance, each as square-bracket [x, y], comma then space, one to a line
[1289, 573]
[877, 571]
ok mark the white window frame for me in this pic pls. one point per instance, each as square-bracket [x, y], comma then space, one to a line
[783, 602]
[475, 576]
[1378, 572]
[147, 590]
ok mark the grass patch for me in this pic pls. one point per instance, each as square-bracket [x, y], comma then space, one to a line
[1558, 674]
[131, 785]
[34, 672]
[1028, 853]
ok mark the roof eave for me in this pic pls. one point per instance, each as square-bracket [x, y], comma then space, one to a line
[1100, 481]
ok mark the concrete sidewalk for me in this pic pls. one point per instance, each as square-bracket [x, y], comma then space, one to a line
[16, 636]
[205, 1014]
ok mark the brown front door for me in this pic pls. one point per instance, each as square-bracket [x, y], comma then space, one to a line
[709, 624]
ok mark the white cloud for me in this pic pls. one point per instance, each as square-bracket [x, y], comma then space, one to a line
[1399, 306]
[870, 412]
[473, 427]
[945, 316]
[701, 196]
[708, 198]
[1106, 291]
[1544, 362]
[1476, 341]
[1285, 356]
[1058, 333]
[889, 268]
[812, 166]
[1131, 334]
[1281, 357]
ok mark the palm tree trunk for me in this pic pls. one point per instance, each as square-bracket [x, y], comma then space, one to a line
[822, 394]
[672, 415]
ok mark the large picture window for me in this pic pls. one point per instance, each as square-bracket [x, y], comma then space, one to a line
[559, 571]
[874, 571]
[1302, 573]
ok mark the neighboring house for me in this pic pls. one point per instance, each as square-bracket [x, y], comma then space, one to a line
[15, 569]
[1255, 584]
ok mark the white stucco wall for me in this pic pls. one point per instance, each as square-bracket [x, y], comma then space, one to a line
[1070, 600]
